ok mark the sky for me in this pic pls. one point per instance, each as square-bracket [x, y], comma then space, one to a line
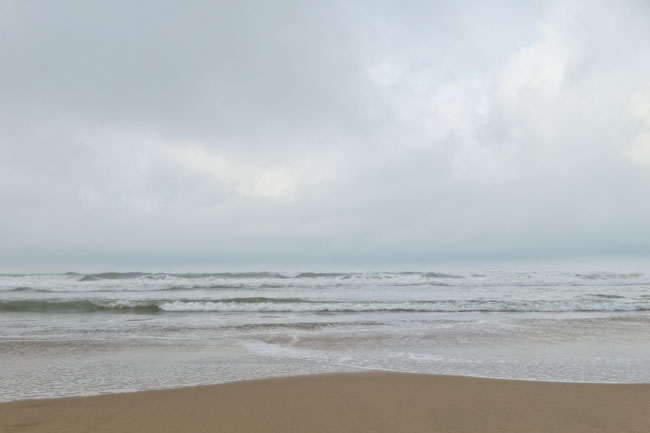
[342, 134]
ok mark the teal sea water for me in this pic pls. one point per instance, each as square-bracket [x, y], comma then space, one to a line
[80, 334]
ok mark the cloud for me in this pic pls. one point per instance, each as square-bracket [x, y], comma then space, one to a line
[639, 151]
[309, 132]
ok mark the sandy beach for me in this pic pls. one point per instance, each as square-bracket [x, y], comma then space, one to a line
[355, 402]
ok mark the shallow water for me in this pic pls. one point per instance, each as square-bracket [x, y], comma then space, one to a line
[74, 334]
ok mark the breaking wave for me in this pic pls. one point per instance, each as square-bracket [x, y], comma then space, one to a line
[297, 305]
[74, 306]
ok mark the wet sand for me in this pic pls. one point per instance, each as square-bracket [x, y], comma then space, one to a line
[355, 402]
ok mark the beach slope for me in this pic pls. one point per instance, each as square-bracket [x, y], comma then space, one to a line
[355, 402]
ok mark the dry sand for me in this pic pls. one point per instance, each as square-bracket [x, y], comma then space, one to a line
[356, 402]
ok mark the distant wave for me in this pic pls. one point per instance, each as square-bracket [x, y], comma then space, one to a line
[81, 306]
[439, 275]
[321, 274]
[112, 276]
[297, 305]
[241, 275]
[22, 289]
[133, 275]
[131, 289]
[608, 275]
[26, 289]
[312, 277]
[224, 275]
[150, 306]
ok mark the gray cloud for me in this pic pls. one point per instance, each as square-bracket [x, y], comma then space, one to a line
[298, 133]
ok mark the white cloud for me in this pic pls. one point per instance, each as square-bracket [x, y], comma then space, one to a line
[639, 151]
[251, 179]
[390, 133]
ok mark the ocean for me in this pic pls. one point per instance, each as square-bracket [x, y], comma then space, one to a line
[83, 334]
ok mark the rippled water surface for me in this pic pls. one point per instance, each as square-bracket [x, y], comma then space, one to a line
[75, 334]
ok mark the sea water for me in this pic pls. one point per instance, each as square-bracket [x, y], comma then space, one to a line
[80, 334]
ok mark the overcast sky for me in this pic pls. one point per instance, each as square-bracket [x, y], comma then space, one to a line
[286, 134]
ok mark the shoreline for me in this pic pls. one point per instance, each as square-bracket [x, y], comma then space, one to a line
[354, 371]
[360, 401]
